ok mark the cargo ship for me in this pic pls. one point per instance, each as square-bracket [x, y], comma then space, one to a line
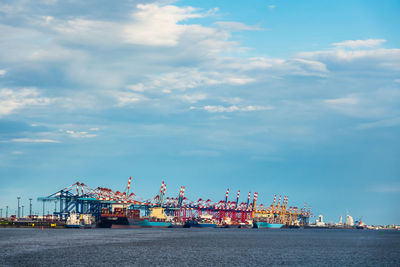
[131, 218]
[246, 224]
[228, 223]
[267, 222]
[205, 221]
[361, 225]
[267, 225]
[156, 219]
[142, 223]
[231, 225]
[177, 225]
[199, 224]
[76, 220]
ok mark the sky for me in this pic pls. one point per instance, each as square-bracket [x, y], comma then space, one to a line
[297, 98]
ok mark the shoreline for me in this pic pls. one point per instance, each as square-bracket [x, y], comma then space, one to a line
[61, 225]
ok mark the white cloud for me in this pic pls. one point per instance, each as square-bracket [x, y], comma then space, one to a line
[379, 105]
[191, 58]
[310, 65]
[31, 47]
[193, 98]
[360, 43]
[271, 7]
[2, 72]
[277, 67]
[158, 25]
[143, 58]
[47, 19]
[12, 100]
[93, 32]
[75, 44]
[385, 188]
[342, 101]
[129, 98]
[350, 55]
[53, 54]
[233, 108]
[232, 100]
[149, 25]
[33, 140]
[258, 63]
[77, 134]
[136, 87]
[193, 78]
[355, 60]
[237, 80]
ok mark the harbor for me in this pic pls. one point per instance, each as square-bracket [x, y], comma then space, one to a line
[79, 206]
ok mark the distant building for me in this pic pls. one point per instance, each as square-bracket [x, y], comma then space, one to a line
[320, 221]
[349, 220]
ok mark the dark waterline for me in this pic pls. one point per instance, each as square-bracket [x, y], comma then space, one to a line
[198, 247]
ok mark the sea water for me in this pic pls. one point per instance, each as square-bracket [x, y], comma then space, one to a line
[198, 247]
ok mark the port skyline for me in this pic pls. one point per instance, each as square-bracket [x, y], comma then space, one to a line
[49, 210]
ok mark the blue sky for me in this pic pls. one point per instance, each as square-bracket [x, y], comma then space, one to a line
[280, 97]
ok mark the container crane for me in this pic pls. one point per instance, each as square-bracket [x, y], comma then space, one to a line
[254, 204]
[248, 200]
[237, 198]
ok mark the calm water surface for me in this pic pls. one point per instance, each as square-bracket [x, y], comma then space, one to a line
[198, 247]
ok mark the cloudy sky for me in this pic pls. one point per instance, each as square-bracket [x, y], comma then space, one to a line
[281, 97]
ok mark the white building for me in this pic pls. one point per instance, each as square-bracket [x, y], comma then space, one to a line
[349, 220]
[320, 221]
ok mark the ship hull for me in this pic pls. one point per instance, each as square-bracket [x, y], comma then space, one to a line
[124, 222]
[72, 226]
[109, 222]
[246, 226]
[200, 225]
[176, 226]
[149, 224]
[141, 223]
[268, 225]
[204, 225]
[231, 226]
[83, 226]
